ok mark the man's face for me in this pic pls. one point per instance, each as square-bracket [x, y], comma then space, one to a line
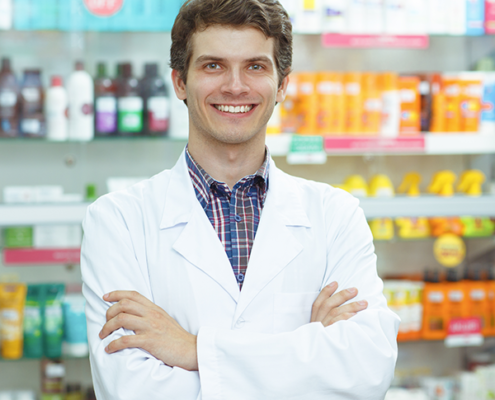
[232, 84]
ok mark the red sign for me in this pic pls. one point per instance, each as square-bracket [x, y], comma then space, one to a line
[41, 256]
[347, 144]
[465, 326]
[366, 41]
[104, 8]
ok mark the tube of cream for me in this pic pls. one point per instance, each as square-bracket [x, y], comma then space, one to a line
[12, 299]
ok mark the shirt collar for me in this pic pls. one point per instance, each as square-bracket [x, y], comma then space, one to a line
[203, 182]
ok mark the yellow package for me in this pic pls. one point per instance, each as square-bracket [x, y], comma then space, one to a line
[413, 228]
[382, 228]
[12, 299]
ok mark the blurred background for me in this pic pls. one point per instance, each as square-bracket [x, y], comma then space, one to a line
[391, 100]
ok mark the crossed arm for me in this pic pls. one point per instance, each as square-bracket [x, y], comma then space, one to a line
[161, 336]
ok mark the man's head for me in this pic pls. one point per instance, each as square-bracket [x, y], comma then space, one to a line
[267, 16]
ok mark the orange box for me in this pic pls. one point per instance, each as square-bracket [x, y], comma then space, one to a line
[491, 300]
[410, 105]
[307, 103]
[288, 109]
[372, 104]
[353, 83]
[331, 103]
[438, 105]
[478, 303]
[471, 95]
[435, 311]
[452, 91]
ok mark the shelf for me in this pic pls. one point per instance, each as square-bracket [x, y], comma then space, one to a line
[30, 256]
[40, 214]
[428, 206]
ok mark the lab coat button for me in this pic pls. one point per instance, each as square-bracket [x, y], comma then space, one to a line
[238, 218]
[240, 323]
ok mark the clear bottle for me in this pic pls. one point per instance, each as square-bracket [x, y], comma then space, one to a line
[129, 104]
[33, 122]
[105, 103]
[80, 90]
[56, 111]
[156, 102]
[9, 101]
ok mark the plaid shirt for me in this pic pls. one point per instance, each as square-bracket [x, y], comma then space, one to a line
[235, 214]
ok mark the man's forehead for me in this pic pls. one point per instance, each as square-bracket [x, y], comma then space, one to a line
[231, 43]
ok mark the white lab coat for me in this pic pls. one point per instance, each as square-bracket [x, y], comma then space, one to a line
[254, 344]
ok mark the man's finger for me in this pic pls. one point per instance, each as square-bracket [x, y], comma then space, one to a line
[335, 301]
[342, 317]
[126, 321]
[125, 306]
[350, 308]
[124, 342]
[118, 295]
[325, 293]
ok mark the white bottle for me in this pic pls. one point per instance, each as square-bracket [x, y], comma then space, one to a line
[6, 11]
[390, 106]
[55, 110]
[81, 96]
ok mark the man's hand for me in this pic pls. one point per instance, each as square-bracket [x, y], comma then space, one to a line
[156, 331]
[328, 307]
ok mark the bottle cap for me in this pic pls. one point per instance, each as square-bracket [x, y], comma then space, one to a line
[127, 70]
[151, 69]
[452, 275]
[79, 66]
[6, 64]
[90, 192]
[56, 81]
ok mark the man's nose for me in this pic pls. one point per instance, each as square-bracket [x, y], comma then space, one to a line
[235, 83]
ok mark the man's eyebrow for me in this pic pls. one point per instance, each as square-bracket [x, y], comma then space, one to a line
[260, 59]
[204, 58]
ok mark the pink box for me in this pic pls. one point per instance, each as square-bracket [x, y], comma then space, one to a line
[490, 17]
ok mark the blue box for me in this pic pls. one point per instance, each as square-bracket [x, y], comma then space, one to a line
[72, 15]
[44, 14]
[22, 15]
[475, 17]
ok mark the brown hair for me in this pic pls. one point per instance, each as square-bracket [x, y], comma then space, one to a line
[268, 16]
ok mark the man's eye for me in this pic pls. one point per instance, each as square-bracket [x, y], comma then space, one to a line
[212, 66]
[256, 67]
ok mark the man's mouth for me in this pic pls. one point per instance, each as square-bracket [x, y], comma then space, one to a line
[234, 109]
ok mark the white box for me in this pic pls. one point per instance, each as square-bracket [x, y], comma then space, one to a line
[6, 14]
[57, 236]
[335, 15]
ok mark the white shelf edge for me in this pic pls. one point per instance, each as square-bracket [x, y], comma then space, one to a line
[42, 214]
[428, 206]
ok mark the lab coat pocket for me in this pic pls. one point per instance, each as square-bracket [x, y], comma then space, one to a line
[292, 310]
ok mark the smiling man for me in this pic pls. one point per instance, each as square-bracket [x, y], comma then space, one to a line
[218, 279]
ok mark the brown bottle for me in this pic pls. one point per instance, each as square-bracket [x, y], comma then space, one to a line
[129, 104]
[32, 99]
[9, 101]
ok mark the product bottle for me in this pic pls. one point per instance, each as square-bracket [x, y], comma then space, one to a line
[435, 315]
[56, 111]
[9, 101]
[353, 89]
[81, 96]
[12, 301]
[478, 300]
[457, 295]
[53, 321]
[390, 105]
[308, 103]
[491, 299]
[156, 102]
[105, 103]
[129, 104]
[32, 98]
[33, 326]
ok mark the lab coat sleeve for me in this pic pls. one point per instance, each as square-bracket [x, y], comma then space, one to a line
[353, 359]
[111, 260]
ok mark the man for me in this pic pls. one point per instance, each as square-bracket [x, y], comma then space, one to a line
[218, 279]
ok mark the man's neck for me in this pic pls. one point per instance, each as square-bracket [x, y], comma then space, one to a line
[228, 163]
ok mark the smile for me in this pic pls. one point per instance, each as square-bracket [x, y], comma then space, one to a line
[234, 109]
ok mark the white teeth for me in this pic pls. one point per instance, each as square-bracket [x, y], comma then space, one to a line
[234, 109]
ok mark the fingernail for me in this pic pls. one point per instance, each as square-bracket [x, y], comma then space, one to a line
[363, 303]
[352, 291]
[106, 349]
[332, 285]
[99, 334]
[105, 296]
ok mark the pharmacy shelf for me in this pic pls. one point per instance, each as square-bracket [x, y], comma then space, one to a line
[40, 214]
[428, 206]
[428, 144]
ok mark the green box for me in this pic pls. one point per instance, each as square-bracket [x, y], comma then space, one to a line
[18, 237]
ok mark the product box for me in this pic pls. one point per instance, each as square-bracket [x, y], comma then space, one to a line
[487, 123]
[309, 17]
[72, 16]
[471, 87]
[395, 16]
[334, 16]
[56, 236]
[356, 16]
[456, 11]
[437, 17]
[354, 101]
[22, 15]
[6, 9]
[18, 237]
[45, 14]
[490, 17]
[452, 90]
[416, 21]
[375, 17]
[475, 17]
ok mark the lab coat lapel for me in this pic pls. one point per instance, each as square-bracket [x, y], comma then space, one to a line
[198, 242]
[275, 246]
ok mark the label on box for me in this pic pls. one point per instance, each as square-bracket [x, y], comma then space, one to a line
[103, 8]
[464, 332]
[489, 17]
[306, 150]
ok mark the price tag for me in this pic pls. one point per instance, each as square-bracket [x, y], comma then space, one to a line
[464, 332]
[449, 250]
[306, 150]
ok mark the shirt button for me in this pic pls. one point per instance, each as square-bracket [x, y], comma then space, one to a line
[240, 323]
[238, 218]
[240, 278]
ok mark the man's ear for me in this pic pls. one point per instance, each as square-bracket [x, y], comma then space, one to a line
[179, 85]
[282, 90]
